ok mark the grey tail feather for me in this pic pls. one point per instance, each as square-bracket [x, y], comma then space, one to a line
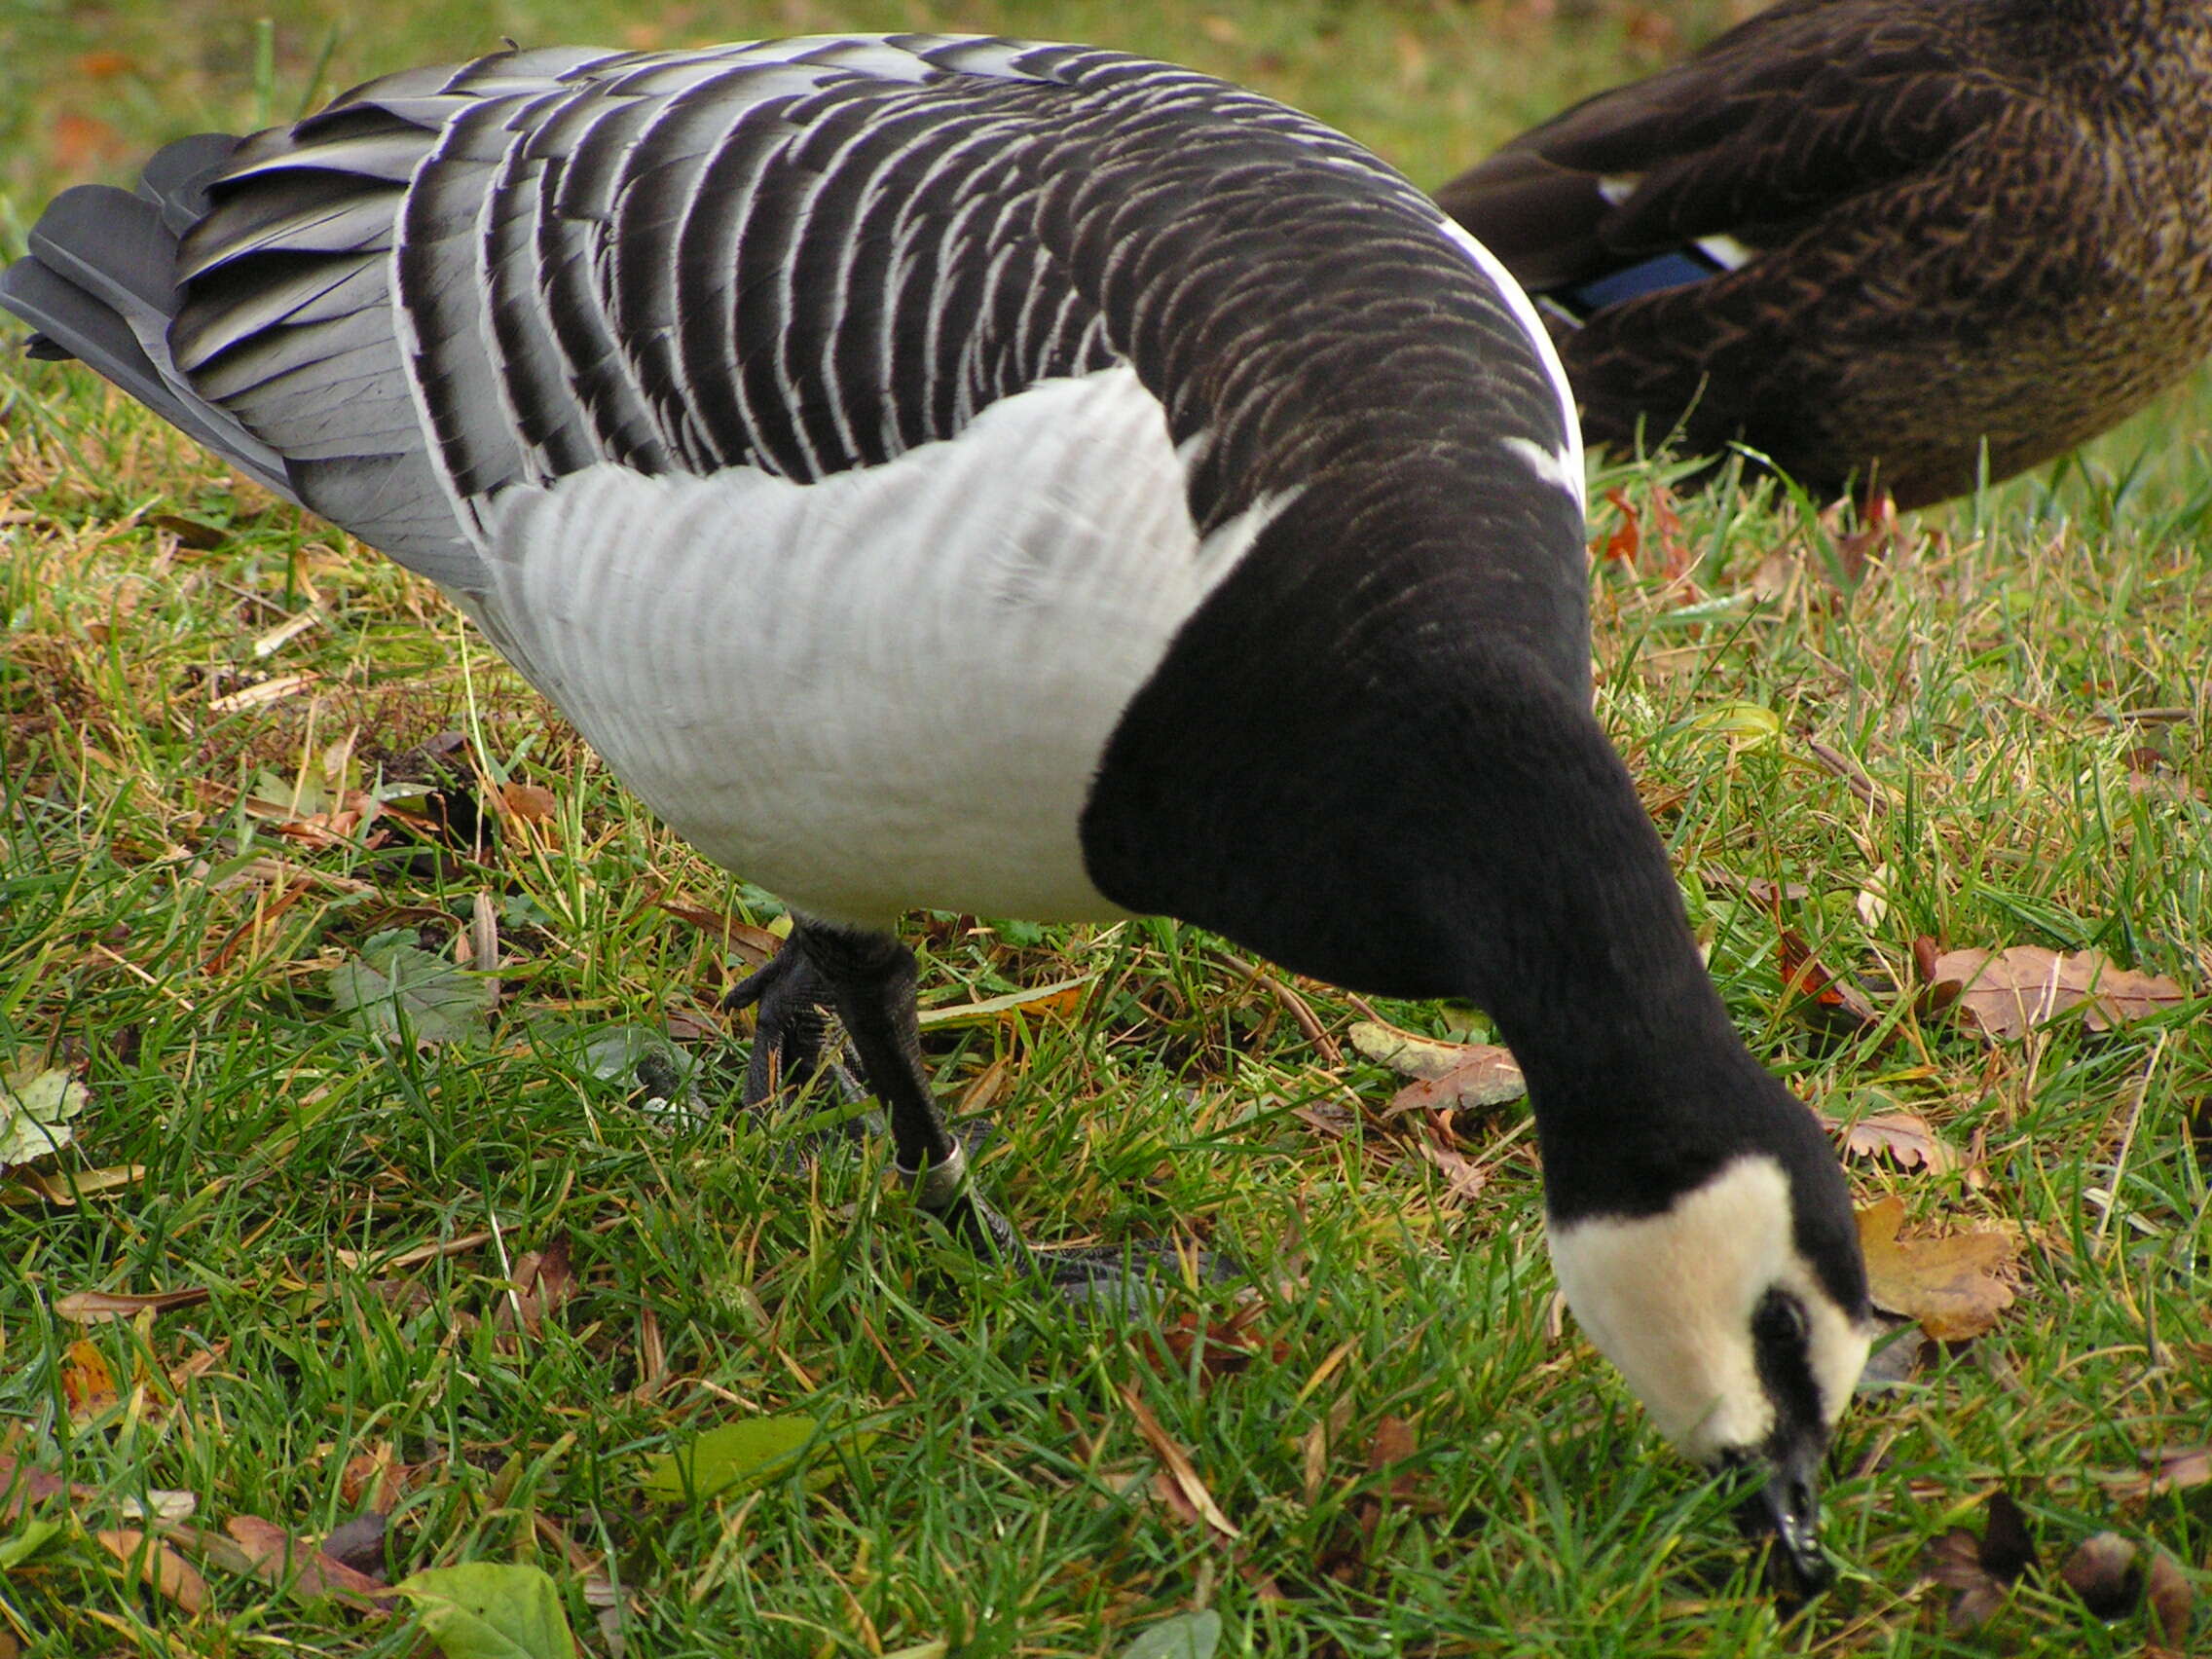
[99, 286]
[176, 177]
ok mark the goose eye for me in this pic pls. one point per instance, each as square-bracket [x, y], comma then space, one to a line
[1778, 1321]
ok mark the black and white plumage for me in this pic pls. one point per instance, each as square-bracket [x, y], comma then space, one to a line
[1032, 480]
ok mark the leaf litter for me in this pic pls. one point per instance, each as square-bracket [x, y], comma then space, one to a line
[747, 1452]
[39, 1106]
[482, 1609]
[393, 987]
[1178, 1484]
[1184, 1494]
[1984, 1569]
[1903, 1137]
[159, 1566]
[1448, 1079]
[87, 1306]
[1955, 1287]
[1222, 1348]
[304, 1570]
[1446, 1075]
[544, 1281]
[1827, 1001]
[2174, 1469]
[1180, 1636]
[2007, 993]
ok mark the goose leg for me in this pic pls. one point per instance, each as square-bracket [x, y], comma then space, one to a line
[868, 978]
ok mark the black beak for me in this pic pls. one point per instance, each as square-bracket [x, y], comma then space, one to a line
[1787, 1510]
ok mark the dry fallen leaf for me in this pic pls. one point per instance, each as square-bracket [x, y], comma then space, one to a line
[2007, 993]
[1828, 1002]
[377, 1479]
[543, 1283]
[1224, 1346]
[1899, 1351]
[21, 1486]
[1456, 1076]
[2174, 1469]
[37, 1106]
[1625, 545]
[64, 1188]
[353, 1260]
[268, 690]
[527, 803]
[160, 1505]
[1873, 901]
[1951, 1286]
[358, 1544]
[1767, 894]
[1391, 1444]
[2173, 1599]
[1902, 1137]
[1180, 1480]
[87, 1382]
[296, 1566]
[86, 1306]
[1462, 1175]
[1983, 1570]
[1486, 1075]
[158, 1565]
[756, 945]
[1404, 1051]
[2102, 1571]
[1063, 998]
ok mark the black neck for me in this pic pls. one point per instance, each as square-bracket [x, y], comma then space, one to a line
[1410, 802]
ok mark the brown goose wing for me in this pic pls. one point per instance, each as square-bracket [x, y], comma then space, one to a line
[1804, 108]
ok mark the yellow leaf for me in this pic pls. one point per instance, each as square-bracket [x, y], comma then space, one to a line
[87, 1382]
[1952, 1286]
[158, 1565]
[1062, 998]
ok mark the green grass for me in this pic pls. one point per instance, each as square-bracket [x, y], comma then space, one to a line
[990, 1486]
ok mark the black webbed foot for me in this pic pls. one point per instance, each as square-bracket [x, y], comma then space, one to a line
[1121, 1279]
[1116, 1278]
[796, 1040]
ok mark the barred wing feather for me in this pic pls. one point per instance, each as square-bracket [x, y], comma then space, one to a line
[611, 344]
[802, 256]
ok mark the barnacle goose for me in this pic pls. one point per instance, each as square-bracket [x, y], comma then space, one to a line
[1901, 244]
[1034, 481]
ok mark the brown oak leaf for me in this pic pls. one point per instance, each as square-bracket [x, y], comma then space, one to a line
[1984, 1569]
[2007, 993]
[1462, 1077]
[1903, 1137]
[1954, 1286]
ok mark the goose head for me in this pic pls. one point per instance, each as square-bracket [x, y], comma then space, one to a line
[1736, 1312]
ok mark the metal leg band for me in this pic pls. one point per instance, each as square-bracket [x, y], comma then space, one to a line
[935, 1188]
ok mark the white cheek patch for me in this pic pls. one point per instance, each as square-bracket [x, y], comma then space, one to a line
[1837, 1345]
[1669, 1299]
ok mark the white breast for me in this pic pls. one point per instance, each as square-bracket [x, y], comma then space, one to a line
[886, 689]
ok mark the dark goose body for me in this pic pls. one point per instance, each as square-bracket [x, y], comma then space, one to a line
[1030, 480]
[1869, 238]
